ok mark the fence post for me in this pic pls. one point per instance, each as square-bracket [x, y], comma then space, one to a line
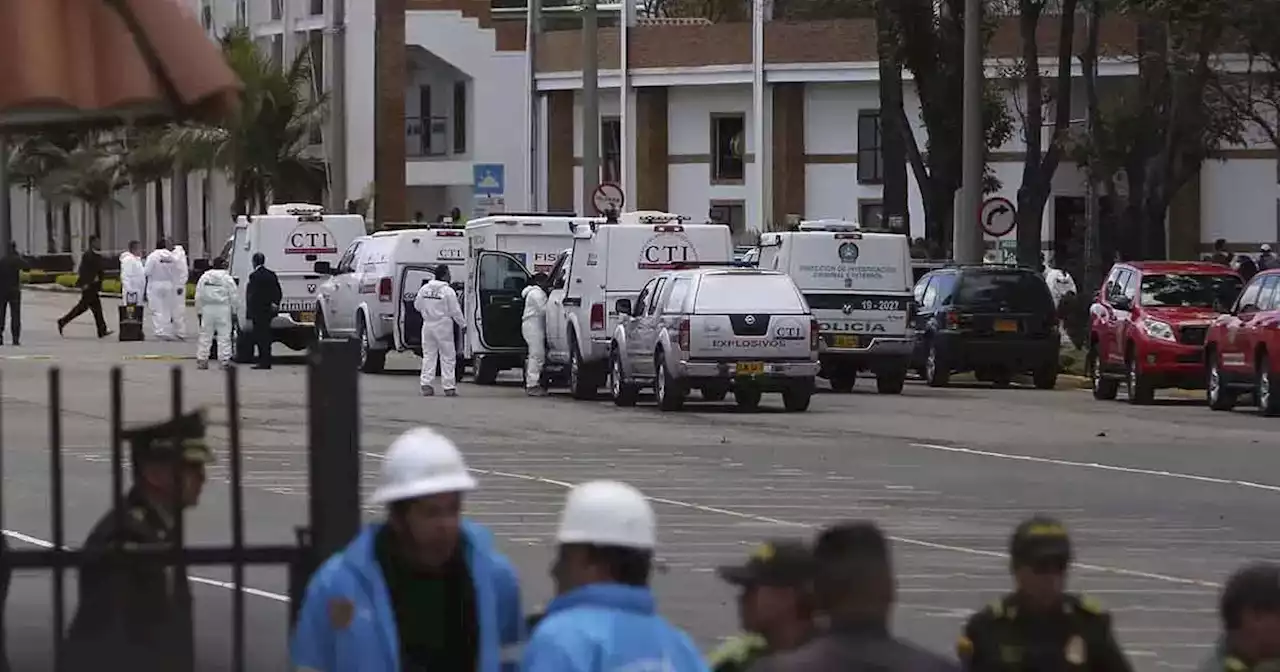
[333, 450]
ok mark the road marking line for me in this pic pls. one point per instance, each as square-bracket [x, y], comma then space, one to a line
[36, 541]
[920, 543]
[1099, 465]
[19, 358]
[157, 358]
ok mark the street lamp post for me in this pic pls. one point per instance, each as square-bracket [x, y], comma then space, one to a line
[967, 240]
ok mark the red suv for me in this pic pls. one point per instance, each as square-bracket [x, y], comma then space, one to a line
[1243, 348]
[1148, 323]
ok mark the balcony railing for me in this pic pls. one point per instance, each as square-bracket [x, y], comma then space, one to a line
[426, 136]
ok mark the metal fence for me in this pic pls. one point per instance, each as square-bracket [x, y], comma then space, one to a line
[333, 481]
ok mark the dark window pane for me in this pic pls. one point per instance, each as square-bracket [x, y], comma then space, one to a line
[459, 117]
[728, 148]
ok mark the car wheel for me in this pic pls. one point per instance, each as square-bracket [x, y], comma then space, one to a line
[714, 393]
[747, 399]
[796, 399]
[666, 388]
[1264, 389]
[937, 372]
[891, 382]
[1002, 378]
[371, 360]
[1215, 389]
[581, 384]
[1045, 377]
[843, 382]
[623, 393]
[1137, 387]
[486, 370]
[1104, 389]
[241, 349]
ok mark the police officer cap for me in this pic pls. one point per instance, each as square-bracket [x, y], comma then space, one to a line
[780, 562]
[1039, 539]
[1255, 587]
[177, 439]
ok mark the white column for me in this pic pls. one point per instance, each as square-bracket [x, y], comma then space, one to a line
[756, 190]
[626, 106]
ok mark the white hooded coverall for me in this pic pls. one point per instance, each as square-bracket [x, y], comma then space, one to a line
[438, 304]
[159, 271]
[178, 299]
[216, 298]
[533, 325]
[133, 279]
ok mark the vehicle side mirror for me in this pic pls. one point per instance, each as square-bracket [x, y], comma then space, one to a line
[1121, 303]
[623, 306]
[323, 268]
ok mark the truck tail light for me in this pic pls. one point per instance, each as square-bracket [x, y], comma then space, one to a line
[684, 335]
[953, 320]
[384, 289]
[597, 317]
[814, 334]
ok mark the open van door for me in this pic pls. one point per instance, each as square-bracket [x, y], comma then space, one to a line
[408, 319]
[499, 279]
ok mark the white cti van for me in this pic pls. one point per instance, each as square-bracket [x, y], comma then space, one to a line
[858, 285]
[368, 294]
[608, 262]
[503, 252]
[293, 237]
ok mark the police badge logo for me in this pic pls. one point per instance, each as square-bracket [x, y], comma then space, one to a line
[1075, 651]
[848, 309]
[848, 253]
[341, 613]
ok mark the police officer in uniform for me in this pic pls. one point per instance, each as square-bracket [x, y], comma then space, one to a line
[1250, 610]
[1039, 626]
[139, 613]
[775, 605]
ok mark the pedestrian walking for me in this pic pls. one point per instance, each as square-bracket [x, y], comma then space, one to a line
[1250, 611]
[1040, 626]
[424, 590]
[437, 302]
[1220, 253]
[160, 272]
[139, 614]
[261, 305]
[89, 279]
[854, 588]
[1267, 259]
[216, 299]
[11, 267]
[1246, 267]
[775, 604]
[604, 616]
[533, 325]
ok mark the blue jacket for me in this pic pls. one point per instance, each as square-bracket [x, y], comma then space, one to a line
[347, 624]
[604, 627]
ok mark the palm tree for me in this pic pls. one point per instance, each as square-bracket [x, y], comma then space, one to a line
[92, 173]
[264, 148]
[147, 162]
[33, 160]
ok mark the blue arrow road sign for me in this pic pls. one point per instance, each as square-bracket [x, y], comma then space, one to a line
[489, 179]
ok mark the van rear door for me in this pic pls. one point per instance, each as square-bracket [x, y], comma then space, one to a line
[749, 317]
[499, 280]
[858, 285]
[408, 319]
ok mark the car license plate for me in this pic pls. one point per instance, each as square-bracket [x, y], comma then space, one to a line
[846, 341]
[749, 368]
[1006, 326]
[306, 317]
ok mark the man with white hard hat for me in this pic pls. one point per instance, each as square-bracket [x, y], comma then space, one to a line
[426, 590]
[604, 617]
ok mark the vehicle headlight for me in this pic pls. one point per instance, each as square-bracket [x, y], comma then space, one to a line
[1158, 329]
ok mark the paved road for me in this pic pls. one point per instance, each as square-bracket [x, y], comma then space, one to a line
[1164, 501]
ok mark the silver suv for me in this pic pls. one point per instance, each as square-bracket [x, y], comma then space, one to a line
[718, 330]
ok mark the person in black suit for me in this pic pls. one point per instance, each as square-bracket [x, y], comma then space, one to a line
[11, 267]
[262, 303]
[90, 283]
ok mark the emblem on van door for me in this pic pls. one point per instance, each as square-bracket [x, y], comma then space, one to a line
[311, 287]
[848, 252]
[848, 309]
[750, 319]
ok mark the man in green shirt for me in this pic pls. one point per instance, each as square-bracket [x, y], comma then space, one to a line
[775, 606]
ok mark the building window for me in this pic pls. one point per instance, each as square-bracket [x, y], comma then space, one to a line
[317, 7]
[871, 216]
[611, 150]
[277, 10]
[728, 147]
[870, 159]
[242, 13]
[732, 214]
[459, 117]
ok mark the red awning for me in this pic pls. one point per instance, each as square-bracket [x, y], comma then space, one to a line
[80, 61]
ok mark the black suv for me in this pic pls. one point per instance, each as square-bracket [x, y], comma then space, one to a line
[996, 321]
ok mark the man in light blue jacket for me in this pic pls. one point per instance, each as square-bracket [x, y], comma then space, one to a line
[604, 618]
[426, 591]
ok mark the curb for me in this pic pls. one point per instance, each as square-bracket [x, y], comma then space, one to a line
[59, 289]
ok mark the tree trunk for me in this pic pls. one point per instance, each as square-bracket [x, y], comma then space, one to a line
[1095, 259]
[939, 216]
[159, 186]
[893, 138]
[66, 227]
[97, 221]
[50, 227]
[181, 211]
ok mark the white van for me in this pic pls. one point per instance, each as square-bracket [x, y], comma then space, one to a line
[610, 262]
[368, 294]
[504, 251]
[293, 238]
[859, 288]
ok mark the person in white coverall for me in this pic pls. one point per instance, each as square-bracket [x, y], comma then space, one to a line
[216, 298]
[533, 324]
[133, 280]
[438, 304]
[160, 270]
[178, 300]
[1062, 287]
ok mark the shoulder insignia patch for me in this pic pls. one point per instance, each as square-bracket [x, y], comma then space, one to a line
[1091, 605]
[996, 608]
[341, 613]
[1233, 664]
[964, 648]
[138, 513]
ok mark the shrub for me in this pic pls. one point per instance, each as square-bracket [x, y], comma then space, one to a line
[67, 280]
[111, 286]
[36, 277]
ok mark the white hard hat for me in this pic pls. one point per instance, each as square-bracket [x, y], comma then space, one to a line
[1266, 247]
[421, 462]
[607, 513]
